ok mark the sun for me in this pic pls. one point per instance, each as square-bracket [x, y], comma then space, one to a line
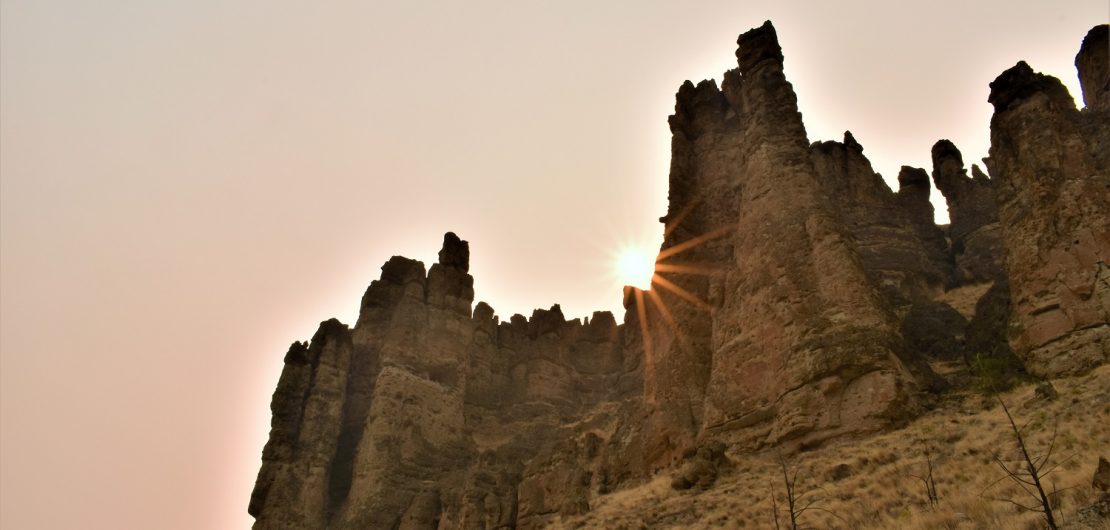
[634, 267]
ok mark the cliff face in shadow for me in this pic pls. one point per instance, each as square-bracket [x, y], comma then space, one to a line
[797, 298]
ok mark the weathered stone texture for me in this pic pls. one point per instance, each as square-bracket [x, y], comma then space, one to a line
[801, 344]
[424, 413]
[1054, 206]
[890, 244]
[977, 249]
[1093, 64]
[913, 200]
[292, 487]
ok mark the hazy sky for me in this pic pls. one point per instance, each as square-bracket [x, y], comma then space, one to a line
[186, 187]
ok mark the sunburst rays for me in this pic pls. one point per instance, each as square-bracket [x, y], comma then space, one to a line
[659, 282]
[680, 292]
[692, 243]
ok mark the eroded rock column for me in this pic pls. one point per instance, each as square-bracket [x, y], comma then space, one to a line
[1054, 205]
[292, 490]
[803, 347]
[977, 248]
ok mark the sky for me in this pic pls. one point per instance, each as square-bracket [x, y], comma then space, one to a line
[186, 187]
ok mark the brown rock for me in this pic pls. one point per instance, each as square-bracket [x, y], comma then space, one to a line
[423, 513]
[455, 253]
[1093, 63]
[889, 243]
[1095, 515]
[977, 249]
[1045, 391]
[701, 467]
[935, 330]
[426, 412]
[1101, 480]
[913, 199]
[292, 487]
[1054, 205]
[840, 472]
[796, 332]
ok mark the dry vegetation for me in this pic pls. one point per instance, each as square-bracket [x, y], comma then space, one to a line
[876, 482]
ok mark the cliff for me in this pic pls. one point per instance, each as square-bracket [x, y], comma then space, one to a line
[1050, 162]
[796, 299]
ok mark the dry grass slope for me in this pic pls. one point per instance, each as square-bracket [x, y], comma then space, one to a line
[869, 483]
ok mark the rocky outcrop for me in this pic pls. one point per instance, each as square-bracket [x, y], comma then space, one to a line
[794, 300]
[913, 200]
[1053, 193]
[977, 249]
[701, 467]
[1093, 64]
[889, 243]
[426, 413]
[292, 487]
[800, 343]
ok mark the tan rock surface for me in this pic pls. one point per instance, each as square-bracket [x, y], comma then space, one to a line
[1054, 207]
[425, 414]
[796, 299]
[803, 345]
[906, 260]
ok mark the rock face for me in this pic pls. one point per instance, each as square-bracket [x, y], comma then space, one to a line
[800, 340]
[1053, 193]
[794, 300]
[424, 413]
[977, 249]
[913, 200]
[1093, 63]
[900, 253]
[292, 488]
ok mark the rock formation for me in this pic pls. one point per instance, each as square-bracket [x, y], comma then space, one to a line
[1053, 192]
[913, 200]
[292, 487]
[977, 249]
[906, 259]
[794, 300]
[800, 341]
[425, 412]
[1093, 63]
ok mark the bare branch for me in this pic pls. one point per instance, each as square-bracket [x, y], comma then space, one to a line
[797, 504]
[1019, 505]
[1032, 474]
[774, 505]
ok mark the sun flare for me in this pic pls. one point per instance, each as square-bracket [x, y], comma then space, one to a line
[635, 267]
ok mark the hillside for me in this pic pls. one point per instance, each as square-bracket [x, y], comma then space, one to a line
[872, 482]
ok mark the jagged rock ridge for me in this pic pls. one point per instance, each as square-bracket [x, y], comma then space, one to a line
[794, 301]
